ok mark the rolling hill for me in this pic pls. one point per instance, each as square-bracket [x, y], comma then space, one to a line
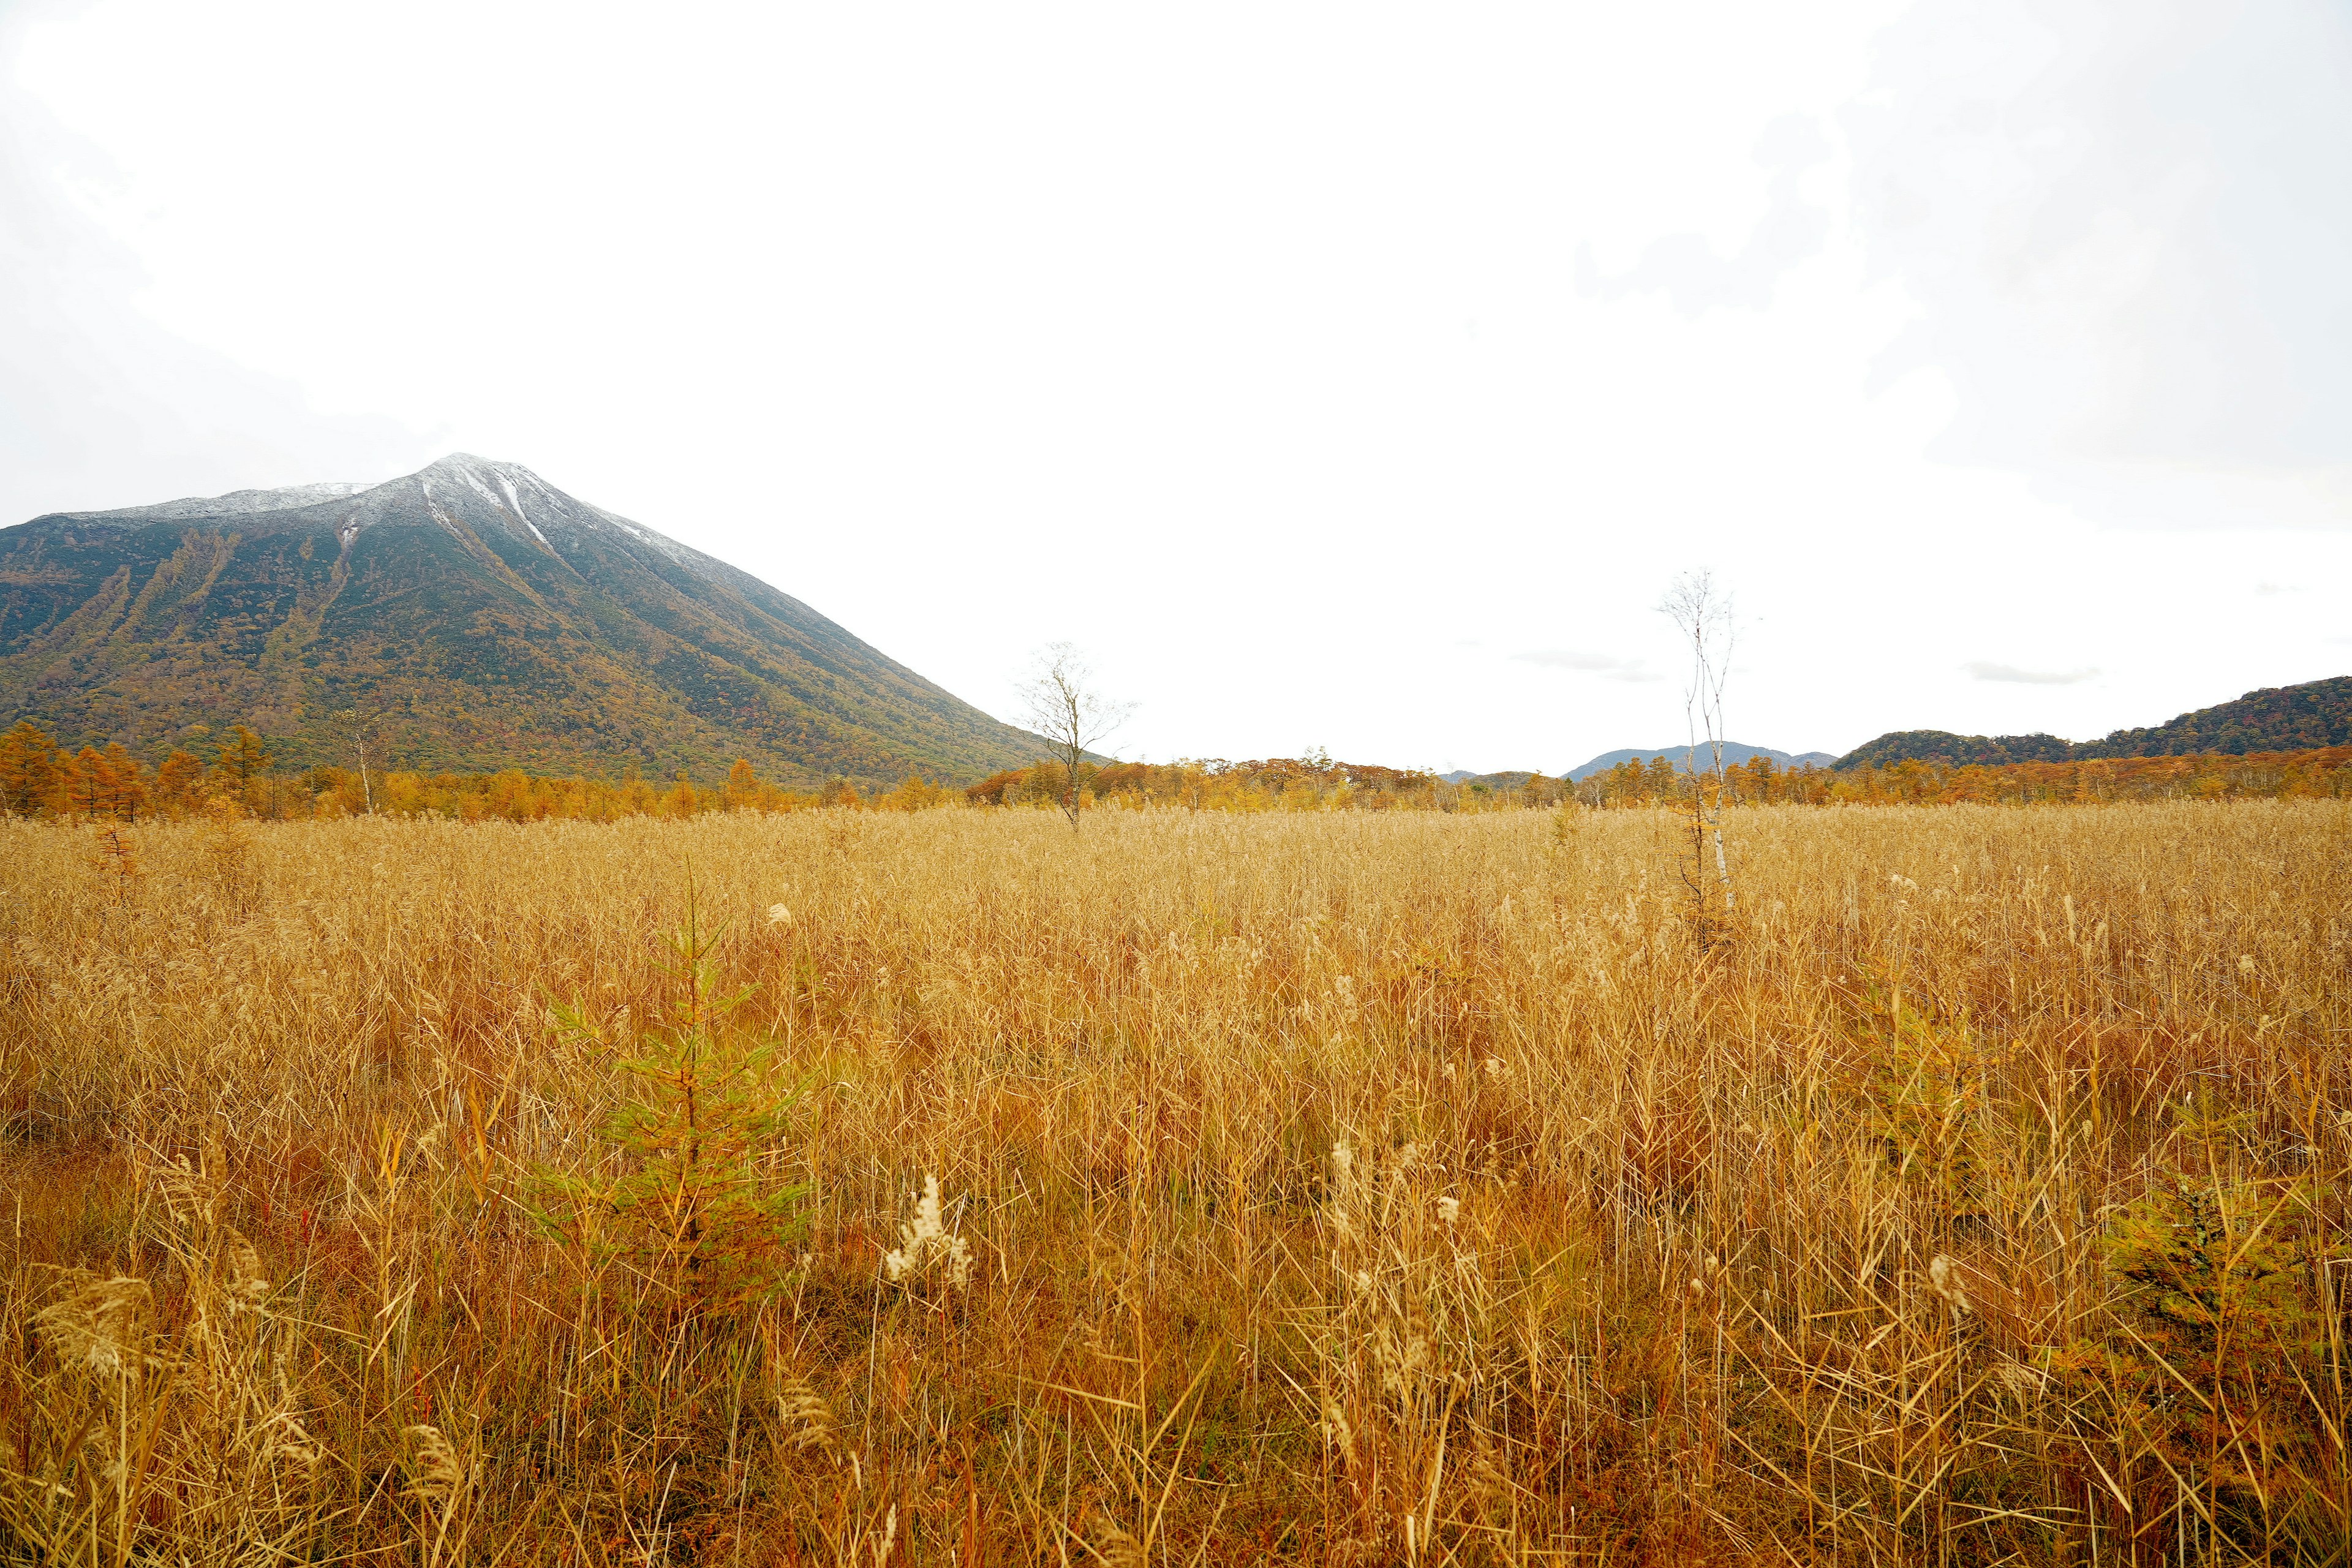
[1733, 753]
[2276, 718]
[491, 620]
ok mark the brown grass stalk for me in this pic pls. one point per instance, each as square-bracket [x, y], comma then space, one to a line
[1373, 1188]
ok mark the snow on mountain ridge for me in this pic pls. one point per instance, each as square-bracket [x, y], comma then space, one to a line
[237, 503]
[560, 509]
[500, 485]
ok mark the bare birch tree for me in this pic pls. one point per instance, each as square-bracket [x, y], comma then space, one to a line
[366, 727]
[1703, 615]
[1070, 714]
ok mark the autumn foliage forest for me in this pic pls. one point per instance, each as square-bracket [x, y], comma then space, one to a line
[40, 778]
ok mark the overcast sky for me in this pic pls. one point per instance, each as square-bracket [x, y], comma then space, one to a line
[1353, 376]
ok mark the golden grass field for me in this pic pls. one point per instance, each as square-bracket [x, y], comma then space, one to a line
[1398, 1188]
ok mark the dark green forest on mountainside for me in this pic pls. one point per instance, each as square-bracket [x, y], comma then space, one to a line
[2303, 718]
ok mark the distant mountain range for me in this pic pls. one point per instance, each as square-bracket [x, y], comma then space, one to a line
[2276, 718]
[493, 620]
[1733, 753]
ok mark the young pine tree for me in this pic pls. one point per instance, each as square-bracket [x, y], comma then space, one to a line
[695, 1197]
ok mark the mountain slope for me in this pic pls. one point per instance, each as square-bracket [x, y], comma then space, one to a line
[1949, 751]
[1733, 754]
[2276, 718]
[495, 619]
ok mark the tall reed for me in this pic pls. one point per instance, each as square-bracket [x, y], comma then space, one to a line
[1363, 1188]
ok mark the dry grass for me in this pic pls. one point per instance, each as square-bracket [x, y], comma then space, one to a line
[1314, 1188]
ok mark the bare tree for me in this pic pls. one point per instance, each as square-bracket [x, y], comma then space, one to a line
[1703, 615]
[1069, 713]
[366, 727]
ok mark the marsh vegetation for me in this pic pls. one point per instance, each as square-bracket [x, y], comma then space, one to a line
[1343, 1187]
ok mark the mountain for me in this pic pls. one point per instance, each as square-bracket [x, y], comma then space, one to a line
[493, 620]
[1948, 751]
[1500, 783]
[1733, 754]
[2276, 718]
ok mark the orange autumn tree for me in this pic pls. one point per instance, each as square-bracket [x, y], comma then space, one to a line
[28, 770]
[86, 781]
[243, 757]
[125, 781]
[178, 782]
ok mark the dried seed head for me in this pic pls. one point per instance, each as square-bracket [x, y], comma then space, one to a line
[100, 1324]
[1336, 1431]
[189, 1192]
[926, 1239]
[242, 1276]
[435, 1472]
[779, 916]
[1114, 1546]
[1343, 1184]
[807, 1419]
[1944, 1279]
[2020, 1379]
[292, 1443]
[1449, 1208]
[1488, 1484]
[1404, 1364]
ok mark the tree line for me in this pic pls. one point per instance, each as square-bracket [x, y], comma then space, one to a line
[1311, 783]
[109, 783]
[2323, 770]
[41, 778]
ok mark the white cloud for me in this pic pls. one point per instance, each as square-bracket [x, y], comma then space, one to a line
[1982, 669]
[2124, 226]
[102, 406]
[1688, 268]
[1610, 666]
